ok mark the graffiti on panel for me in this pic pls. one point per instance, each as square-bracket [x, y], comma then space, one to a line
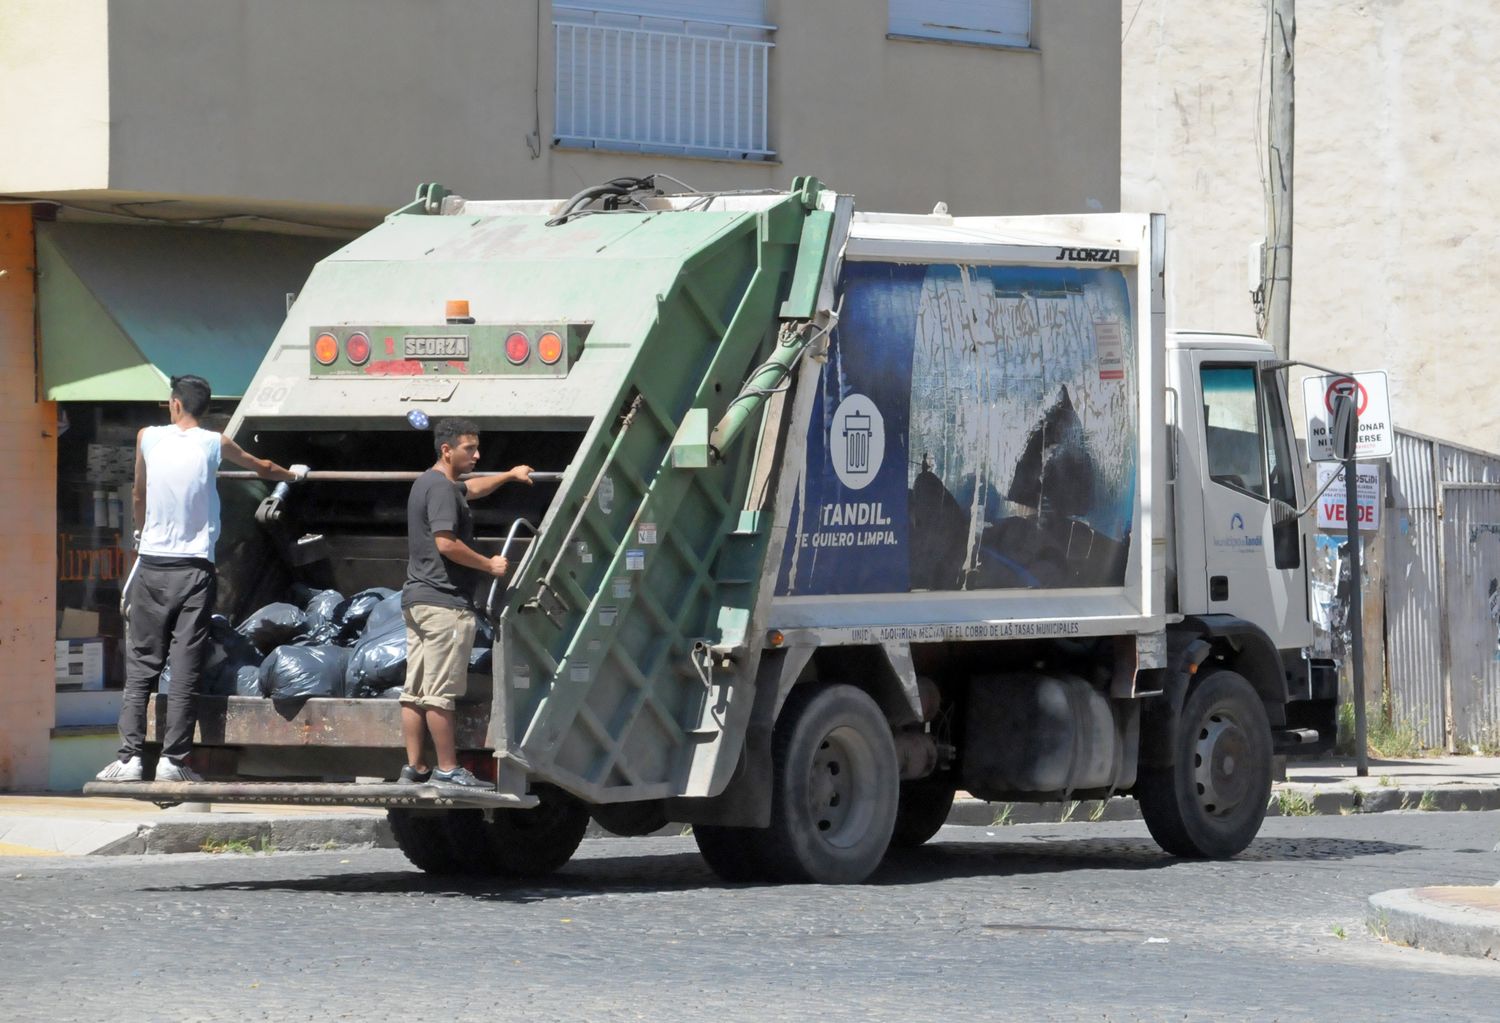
[975, 428]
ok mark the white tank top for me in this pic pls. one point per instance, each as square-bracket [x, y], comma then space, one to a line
[182, 496]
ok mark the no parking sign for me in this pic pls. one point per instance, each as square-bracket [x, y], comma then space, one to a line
[1371, 399]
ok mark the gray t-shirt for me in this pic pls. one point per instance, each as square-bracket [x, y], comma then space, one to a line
[437, 505]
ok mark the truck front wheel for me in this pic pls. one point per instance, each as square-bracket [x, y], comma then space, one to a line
[834, 788]
[1211, 801]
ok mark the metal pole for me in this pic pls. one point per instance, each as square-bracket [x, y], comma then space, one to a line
[1278, 269]
[1356, 615]
[373, 476]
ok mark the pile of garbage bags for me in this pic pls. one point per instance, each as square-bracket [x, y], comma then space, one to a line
[331, 645]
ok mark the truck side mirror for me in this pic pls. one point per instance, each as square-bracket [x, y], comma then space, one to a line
[1345, 429]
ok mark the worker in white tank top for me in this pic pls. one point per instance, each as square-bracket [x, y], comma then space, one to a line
[171, 597]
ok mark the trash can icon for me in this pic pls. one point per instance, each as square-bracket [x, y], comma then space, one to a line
[857, 433]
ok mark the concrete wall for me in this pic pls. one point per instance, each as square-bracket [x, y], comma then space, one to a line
[1395, 133]
[353, 102]
[28, 543]
[54, 95]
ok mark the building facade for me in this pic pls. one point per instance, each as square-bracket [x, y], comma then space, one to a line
[1391, 259]
[174, 169]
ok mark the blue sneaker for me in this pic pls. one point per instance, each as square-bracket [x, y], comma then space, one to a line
[461, 777]
[411, 776]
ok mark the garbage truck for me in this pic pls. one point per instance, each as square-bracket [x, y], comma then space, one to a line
[838, 513]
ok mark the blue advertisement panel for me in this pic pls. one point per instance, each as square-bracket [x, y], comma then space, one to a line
[974, 428]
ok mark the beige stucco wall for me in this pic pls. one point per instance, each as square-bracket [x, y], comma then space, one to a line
[353, 102]
[1395, 138]
[54, 95]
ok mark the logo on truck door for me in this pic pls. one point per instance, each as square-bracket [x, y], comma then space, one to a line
[856, 441]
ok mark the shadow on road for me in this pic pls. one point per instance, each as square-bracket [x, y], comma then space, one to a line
[684, 870]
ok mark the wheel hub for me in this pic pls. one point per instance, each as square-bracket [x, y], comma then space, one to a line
[839, 800]
[1220, 758]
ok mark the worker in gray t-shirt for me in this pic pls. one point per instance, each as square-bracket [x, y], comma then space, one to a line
[442, 570]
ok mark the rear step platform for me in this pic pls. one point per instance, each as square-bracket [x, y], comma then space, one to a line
[415, 797]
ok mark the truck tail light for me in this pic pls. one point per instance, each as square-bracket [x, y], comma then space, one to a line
[326, 349]
[517, 348]
[549, 348]
[357, 349]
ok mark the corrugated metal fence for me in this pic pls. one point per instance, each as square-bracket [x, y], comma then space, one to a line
[1442, 591]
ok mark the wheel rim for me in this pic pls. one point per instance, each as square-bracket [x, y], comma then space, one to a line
[1222, 765]
[840, 803]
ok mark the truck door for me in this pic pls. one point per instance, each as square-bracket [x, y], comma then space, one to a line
[1255, 557]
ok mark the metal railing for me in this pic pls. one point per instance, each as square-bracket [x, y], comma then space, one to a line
[700, 90]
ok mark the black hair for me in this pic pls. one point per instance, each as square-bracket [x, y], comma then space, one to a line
[193, 392]
[448, 431]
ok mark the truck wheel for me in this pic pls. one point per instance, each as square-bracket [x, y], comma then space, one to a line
[520, 843]
[834, 788]
[1211, 801]
[732, 853]
[423, 838]
[922, 810]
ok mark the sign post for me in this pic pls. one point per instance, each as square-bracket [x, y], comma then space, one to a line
[1348, 418]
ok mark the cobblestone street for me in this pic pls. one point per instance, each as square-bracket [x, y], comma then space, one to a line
[1074, 922]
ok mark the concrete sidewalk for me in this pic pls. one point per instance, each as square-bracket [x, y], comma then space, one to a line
[1456, 919]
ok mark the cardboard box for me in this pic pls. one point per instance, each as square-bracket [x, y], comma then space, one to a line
[78, 624]
[80, 663]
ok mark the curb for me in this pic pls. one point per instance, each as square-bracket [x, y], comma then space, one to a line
[1406, 917]
[1286, 801]
[265, 834]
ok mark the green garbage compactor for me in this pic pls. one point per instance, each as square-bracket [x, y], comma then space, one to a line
[834, 514]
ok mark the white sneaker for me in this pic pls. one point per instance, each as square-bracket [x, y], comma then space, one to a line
[121, 770]
[166, 770]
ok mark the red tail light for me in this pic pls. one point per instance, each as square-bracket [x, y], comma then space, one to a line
[517, 348]
[357, 349]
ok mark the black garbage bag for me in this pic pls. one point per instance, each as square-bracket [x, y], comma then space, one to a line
[386, 615]
[294, 672]
[377, 663]
[322, 608]
[480, 659]
[273, 625]
[247, 681]
[227, 653]
[354, 612]
[393, 693]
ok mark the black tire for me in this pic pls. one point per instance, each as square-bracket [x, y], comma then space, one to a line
[835, 787]
[423, 838]
[1210, 803]
[732, 853]
[519, 843]
[923, 809]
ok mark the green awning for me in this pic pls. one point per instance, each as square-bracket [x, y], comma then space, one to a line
[121, 309]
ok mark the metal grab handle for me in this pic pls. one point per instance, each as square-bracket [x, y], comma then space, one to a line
[510, 536]
[371, 476]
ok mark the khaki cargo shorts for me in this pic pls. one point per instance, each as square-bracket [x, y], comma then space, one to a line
[438, 642]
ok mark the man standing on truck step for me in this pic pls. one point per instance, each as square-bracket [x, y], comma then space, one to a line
[437, 600]
[171, 593]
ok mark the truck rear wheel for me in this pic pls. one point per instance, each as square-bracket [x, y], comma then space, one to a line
[423, 838]
[834, 788]
[520, 843]
[1210, 803]
[922, 810]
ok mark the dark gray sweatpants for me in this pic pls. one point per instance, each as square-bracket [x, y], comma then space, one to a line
[167, 617]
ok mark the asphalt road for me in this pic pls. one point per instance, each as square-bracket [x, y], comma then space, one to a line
[1072, 922]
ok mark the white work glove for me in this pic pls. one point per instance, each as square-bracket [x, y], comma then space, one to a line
[299, 472]
[135, 541]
